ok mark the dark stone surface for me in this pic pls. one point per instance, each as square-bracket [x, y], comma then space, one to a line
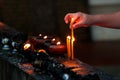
[11, 69]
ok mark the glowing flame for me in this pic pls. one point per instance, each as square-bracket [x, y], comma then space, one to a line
[73, 39]
[40, 34]
[42, 50]
[45, 37]
[27, 46]
[68, 37]
[53, 39]
[58, 43]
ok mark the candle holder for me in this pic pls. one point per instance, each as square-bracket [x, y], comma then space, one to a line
[57, 49]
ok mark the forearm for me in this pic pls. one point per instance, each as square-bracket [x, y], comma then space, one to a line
[107, 20]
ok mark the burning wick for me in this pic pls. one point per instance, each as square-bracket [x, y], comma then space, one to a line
[58, 43]
[45, 37]
[27, 46]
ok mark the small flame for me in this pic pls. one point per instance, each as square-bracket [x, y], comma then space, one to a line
[27, 46]
[58, 43]
[40, 34]
[68, 37]
[53, 39]
[45, 37]
[73, 39]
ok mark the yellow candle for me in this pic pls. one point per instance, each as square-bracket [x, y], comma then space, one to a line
[68, 46]
[72, 39]
[72, 48]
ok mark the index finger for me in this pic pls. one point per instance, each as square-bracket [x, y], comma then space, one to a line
[67, 17]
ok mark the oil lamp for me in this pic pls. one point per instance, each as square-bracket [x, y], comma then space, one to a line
[57, 48]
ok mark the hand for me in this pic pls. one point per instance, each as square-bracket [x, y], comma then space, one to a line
[79, 19]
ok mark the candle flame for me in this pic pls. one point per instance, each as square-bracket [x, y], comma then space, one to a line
[53, 39]
[58, 43]
[40, 34]
[27, 46]
[45, 37]
[68, 37]
[73, 39]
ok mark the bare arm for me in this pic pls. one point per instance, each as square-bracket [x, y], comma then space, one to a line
[107, 20]
[104, 20]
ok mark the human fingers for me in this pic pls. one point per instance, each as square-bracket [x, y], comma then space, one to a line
[68, 17]
[79, 24]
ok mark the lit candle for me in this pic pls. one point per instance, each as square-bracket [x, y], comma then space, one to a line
[72, 39]
[72, 48]
[68, 46]
[57, 48]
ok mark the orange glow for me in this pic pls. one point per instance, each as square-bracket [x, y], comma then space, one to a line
[70, 63]
[45, 37]
[27, 66]
[72, 39]
[27, 46]
[78, 68]
[2, 25]
[68, 37]
[68, 46]
[72, 20]
[58, 43]
[42, 50]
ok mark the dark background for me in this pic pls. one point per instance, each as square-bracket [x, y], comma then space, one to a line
[47, 17]
[40, 16]
[43, 16]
